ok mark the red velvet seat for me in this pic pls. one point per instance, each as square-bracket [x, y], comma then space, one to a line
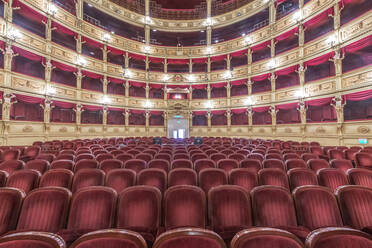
[140, 211]
[342, 164]
[91, 209]
[182, 176]
[227, 152]
[245, 178]
[44, 210]
[153, 177]
[244, 152]
[256, 156]
[135, 164]
[30, 153]
[301, 176]
[115, 153]
[227, 164]
[181, 163]
[216, 157]
[25, 180]
[110, 164]
[307, 156]
[86, 178]
[202, 164]
[356, 206]
[57, 178]
[295, 163]
[265, 238]
[159, 164]
[32, 240]
[274, 156]
[317, 164]
[65, 157]
[290, 156]
[316, 207]
[11, 202]
[84, 156]
[332, 178]
[350, 153]
[189, 237]
[184, 206]
[273, 163]
[237, 157]
[62, 164]
[272, 176]
[46, 156]
[209, 152]
[124, 157]
[110, 238]
[164, 156]
[360, 176]
[363, 160]
[144, 156]
[120, 179]
[67, 151]
[181, 156]
[38, 165]
[252, 164]
[152, 152]
[224, 200]
[10, 154]
[338, 237]
[273, 207]
[12, 165]
[102, 157]
[336, 154]
[212, 177]
[86, 164]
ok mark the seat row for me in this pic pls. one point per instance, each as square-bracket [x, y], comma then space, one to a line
[230, 210]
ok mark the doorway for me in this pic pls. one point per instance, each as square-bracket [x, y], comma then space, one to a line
[178, 127]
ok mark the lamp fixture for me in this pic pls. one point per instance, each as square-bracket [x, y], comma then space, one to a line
[191, 78]
[208, 50]
[147, 104]
[106, 37]
[147, 20]
[147, 49]
[51, 90]
[271, 63]
[297, 16]
[208, 22]
[52, 9]
[248, 101]
[209, 104]
[106, 100]
[166, 77]
[300, 93]
[14, 34]
[81, 61]
[127, 73]
[332, 39]
[228, 74]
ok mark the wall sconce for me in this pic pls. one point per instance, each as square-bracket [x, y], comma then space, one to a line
[166, 77]
[14, 34]
[147, 49]
[147, 104]
[209, 104]
[271, 63]
[248, 101]
[106, 100]
[52, 9]
[106, 37]
[81, 61]
[208, 50]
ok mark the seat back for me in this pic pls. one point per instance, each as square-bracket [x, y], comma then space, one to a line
[87, 203]
[212, 177]
[86, 178]
[25, 180]
[11, 201]
[316, 207]
[332, 178]
[202, 164]
[360, 176]
[45, 210]
[184, 206]
[182, 176]
[342, 164]
[135, 164]
[363, 160]
[142, 206]
[110, 164]
[39, 165]
[57, 178]
[12, 165]
[295, 163]
[62, 164]
[227, 164]
[86, 164]
[159, 164]
[120, 179]
[301, 177]
[273, 163]
[181, 163]
[317, 164]
[243, 177]
[252, 164]
[153, 177]
[272, 176]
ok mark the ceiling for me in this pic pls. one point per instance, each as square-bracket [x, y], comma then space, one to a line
[179, 4]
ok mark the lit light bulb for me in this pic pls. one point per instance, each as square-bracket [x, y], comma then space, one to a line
[14, 34]
[106, 37]
[106, 100]
[271, 63]
[147, 104]
[297, 16]
[208, 49]
[208, 104]
[146, 49]
[166, 77]
[81, 61]
[248, 101]
[51, 90]
[52, 9]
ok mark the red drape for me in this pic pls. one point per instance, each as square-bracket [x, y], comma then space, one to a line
[261, 109]
[116, 109]
[27, 54]
[178, 86]
[29, 99]
[92, 42]
[137, 111]
[218, 85]
[156, 60]
[287, 106]
[115, 51]
[218, 112]
[91, 107]
[319, 60]
[137, 84]
[199, 86]
[63, 29]
[358, 45]
[64, 67]
[261, 77]
[200, 60]
[178, 61]
[29, 12]
[154, 112]
[319, 102]
[287, 34]
[64, 105]
[156, 86]
[359, 96]
[115, 80]
[239, 111]
[137, 56]
[199, 112]
[286, 71]
[92, 75]
[319, 18]
[260, 46]
[239, 53]
[238, 82]
[218, 58]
